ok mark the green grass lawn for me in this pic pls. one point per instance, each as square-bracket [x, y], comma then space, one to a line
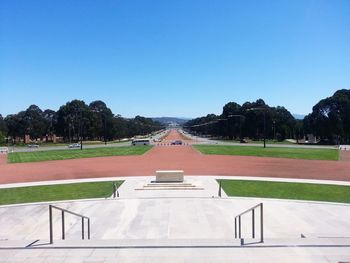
[44, 193]
[281, 190]
[51, 144]
[38, 156]
[283, 152]
[271, 142]
[259, 142]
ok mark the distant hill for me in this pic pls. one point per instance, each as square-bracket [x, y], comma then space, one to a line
[171, 120]
[299, 116]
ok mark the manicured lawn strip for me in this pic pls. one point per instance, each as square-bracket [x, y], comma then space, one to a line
[51, 144]
[283, 152]
[259, 142]
[44, 193]
[271, 142]
[281, 190]
[38, 156]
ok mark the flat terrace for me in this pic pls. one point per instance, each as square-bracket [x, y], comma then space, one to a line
[177, 226]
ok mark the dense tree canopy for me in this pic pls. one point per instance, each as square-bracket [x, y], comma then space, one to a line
[329, 121]
[248, 120]
[330, 118]
[3, 129]
[74, 120]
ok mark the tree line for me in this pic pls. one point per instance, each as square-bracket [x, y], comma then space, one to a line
[330, 118]
[73, 121]
[329, 121]
[252, 119]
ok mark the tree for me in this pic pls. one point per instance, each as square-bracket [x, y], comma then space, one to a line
[330, 118]
[50, 118]
[16, 126]
[74, 120]
[120, 126]
[207, 125]
[142, 126]
[102, 126]
[231, 112]
[254, 119]
[299, 129]
[35, 123]
[283, 123]
[3, 130]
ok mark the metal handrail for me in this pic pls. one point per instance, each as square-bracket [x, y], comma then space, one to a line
[248, 210]
[252, 209]
[63, 224]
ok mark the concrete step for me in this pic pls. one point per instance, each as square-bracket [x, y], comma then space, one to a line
[169, 188]
[169, 185]
[179, 243]
[4, 243]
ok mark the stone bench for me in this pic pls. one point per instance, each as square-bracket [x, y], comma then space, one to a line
[170, 176]
[4, 150]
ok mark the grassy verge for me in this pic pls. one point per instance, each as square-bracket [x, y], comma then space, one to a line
[271, 142]
[38, 156]
[283, 152]
[51, 144]
[281, 190]
[44, 193]
[259, 142]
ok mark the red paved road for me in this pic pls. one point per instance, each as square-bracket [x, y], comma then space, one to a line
[173, 157]
[2, 158]
[345, 156]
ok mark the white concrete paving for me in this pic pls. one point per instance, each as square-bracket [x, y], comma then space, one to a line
[177, 226]
[191, 254]
[177, 218]
[188, 177]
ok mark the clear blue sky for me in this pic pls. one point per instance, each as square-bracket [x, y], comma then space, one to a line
[172, 58]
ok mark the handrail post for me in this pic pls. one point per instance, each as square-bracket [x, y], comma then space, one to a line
[88, 228]
[50, 222]
[239, 227]
[63, 228]
[82, 228]
[261, 223]
[114, 190]
[235, 227]
[253, 223]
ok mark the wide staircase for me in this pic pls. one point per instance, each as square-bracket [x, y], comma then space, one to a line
[252, 235]
[105, 227]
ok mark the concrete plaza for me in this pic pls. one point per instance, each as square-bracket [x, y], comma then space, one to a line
[176, 226]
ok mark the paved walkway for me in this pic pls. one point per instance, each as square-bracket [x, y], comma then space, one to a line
[345, 155]
[145, 179]
[3, 158]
